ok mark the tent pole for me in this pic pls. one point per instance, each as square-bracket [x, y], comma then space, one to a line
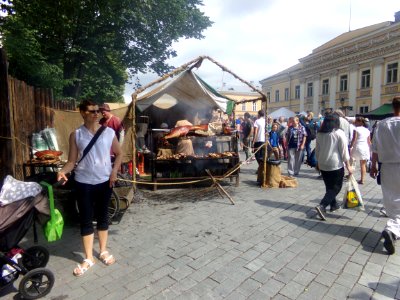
[134, 97]
[264, 183]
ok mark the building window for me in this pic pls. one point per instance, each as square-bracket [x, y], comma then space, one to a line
[277, 96]
[244, 106]
[343, 83]
[286, 94]
[365, 79]
[309, 89]
[269, 97]
[297, 92]
[254, 106]
[363, 109]
[325, 87]
[392, 73]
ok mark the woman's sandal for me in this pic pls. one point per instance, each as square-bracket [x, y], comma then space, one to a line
[106, 258]
[83, 267]
[360, 182]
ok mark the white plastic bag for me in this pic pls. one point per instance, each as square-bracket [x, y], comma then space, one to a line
[352, 196]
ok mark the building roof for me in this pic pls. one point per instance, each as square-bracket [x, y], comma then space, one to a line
[351, 36]
[339, 40]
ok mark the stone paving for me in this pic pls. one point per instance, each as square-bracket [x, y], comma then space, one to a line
[193, 244]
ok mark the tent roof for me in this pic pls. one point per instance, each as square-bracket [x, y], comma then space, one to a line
[188, 88]
[282, 112]
[380, 113]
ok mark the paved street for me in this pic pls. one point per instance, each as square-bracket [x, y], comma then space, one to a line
[193, 244]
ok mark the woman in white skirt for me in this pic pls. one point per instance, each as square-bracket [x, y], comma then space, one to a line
[360, 146]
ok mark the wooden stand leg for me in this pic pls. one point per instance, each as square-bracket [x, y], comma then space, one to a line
[155, 185]
[219, 187]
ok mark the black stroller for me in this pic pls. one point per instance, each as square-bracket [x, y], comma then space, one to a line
[15, 220]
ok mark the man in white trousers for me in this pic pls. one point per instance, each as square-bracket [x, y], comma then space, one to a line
[386, 151]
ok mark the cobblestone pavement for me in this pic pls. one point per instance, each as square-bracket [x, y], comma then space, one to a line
[193, 244]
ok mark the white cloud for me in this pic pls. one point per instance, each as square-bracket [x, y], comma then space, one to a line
[258, 38]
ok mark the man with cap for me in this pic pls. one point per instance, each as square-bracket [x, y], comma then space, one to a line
[111, 121]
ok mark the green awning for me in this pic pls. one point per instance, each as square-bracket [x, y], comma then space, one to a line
[380, 113]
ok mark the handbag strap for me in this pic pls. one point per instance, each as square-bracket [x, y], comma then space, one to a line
[91, 143]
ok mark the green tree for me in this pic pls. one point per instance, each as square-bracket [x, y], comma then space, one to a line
[87, 48]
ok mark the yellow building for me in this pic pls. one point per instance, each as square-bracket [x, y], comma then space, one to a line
[251, 107]
[356, 71]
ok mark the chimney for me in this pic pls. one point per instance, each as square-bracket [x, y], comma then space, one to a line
[397, 17]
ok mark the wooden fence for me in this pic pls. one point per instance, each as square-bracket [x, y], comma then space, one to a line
[24, 110]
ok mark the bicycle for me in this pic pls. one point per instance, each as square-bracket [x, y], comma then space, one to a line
[115, 201]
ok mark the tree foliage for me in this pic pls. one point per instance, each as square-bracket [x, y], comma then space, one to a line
[83, 48]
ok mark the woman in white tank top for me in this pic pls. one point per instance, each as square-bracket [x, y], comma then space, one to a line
[94, 179]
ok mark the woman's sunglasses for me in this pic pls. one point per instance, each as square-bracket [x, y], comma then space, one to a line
[94, 111]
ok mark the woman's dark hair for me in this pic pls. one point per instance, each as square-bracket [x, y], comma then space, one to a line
[361, 120]
[330, 123]
[396, 103]
[84, 104]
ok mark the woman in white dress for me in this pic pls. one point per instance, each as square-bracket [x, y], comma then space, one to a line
[360, 146]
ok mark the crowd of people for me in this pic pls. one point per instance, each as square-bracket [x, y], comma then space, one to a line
[288, 138]
[341, 144]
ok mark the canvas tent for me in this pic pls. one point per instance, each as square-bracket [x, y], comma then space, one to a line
[208, 97]
[380, 113]
[282, 112]
[180, 98]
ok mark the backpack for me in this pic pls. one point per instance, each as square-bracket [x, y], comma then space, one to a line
[312, 160]
[247, 126]
[312, 130]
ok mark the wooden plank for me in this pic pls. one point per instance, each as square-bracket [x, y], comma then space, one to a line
[23, 111]
[7, 157]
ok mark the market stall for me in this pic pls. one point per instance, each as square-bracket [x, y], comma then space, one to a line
[174, 148]
[180, 132]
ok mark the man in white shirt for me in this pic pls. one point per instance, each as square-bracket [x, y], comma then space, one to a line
[259, 136]
[386, 150]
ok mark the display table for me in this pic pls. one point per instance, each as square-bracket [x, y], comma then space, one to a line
[32, 169]
[181, 170]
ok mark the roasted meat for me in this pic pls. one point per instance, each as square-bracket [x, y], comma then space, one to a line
[48, 154]
[181, 131]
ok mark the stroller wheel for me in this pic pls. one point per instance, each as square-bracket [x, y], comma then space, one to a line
[35, 257]
[36, 283]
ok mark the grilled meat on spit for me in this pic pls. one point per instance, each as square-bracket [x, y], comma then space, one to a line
[48, 154]
[181, 131]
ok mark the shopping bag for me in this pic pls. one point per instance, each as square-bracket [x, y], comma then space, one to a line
[352, 197]
[53, 229]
